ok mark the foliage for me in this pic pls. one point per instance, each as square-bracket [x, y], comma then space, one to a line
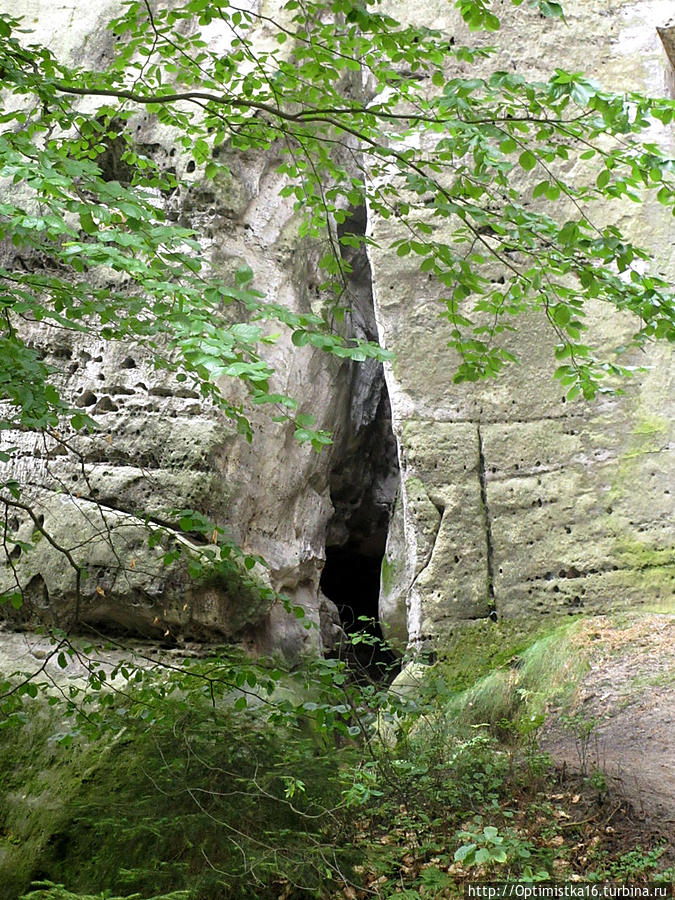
[97, 240]
[231, 772]
[182, 786]
[104, 257]
[176, 784]
[47, 890]
[484, 847]
[629, 866]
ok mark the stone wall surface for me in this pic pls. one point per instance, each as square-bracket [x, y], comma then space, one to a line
[159, 446]
[513, 500]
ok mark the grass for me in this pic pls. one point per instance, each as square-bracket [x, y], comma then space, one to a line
[200, 801]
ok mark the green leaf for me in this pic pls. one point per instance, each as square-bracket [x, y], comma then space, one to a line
[603, 179]
[527, 160]
[551, 9]
[87, 223]
[462, 852]
[15, 599]
[561, 314]
[508, 146]
[300, 338]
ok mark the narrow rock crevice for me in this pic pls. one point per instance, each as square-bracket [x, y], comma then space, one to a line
[488, 528]
[365, 476]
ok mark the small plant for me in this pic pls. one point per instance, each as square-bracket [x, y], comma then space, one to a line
[488, 847]
[483, 848]
[585, 739]
[434, 881]
[631, 866]
[599, 781]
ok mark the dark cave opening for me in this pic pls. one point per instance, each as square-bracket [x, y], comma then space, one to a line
[363, 485]
[351, 580]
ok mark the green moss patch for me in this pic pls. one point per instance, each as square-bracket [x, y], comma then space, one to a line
[507, 672]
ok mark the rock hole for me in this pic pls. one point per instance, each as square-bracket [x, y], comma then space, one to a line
[35, 593]
[105, 404]
[88, 398]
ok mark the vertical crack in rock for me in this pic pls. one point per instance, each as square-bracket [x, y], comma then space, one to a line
[365, 477]
[488, 527]
[425, 562]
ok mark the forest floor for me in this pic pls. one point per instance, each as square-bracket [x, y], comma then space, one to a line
[579, 832]
[546, 757]
[625, 714]
[601, 809]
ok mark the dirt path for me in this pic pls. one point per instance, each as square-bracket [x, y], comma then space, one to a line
[624, 720]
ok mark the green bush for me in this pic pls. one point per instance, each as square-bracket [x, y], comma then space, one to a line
[199, 796]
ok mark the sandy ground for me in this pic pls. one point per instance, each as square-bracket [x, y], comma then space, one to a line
[628, 701]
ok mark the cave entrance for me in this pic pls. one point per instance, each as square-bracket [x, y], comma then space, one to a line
[351, 580]
[364, 483]
[364, 479]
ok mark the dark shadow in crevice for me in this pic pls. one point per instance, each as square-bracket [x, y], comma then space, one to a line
[364, 482]
[351, 580]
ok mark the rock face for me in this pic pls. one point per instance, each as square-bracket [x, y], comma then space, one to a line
[512, 501]
[160, 448]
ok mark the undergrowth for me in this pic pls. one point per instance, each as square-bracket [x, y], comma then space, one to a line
[232, 781]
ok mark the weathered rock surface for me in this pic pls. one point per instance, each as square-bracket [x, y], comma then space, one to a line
[514, 501]
[159, 447]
